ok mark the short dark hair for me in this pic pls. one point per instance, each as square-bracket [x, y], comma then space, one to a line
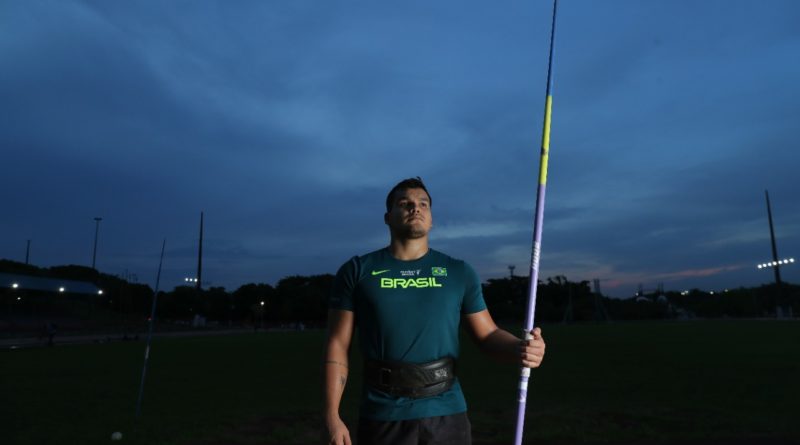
[405, 184]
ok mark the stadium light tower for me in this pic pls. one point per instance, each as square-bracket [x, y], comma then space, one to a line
[97, 220]
[775, 263]
[199, 280]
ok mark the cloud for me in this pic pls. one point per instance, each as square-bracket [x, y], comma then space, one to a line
[287, 124]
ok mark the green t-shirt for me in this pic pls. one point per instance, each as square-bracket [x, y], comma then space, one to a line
[408, 311]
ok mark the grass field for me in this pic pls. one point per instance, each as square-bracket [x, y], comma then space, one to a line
[696, 382]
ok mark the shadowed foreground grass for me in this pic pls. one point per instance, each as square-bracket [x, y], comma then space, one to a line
[656, 382]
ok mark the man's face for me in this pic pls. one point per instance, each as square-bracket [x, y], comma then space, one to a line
[410, 216]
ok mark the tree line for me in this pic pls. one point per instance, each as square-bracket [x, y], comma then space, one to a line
[303, 299]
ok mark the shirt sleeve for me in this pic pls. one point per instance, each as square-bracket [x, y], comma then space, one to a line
[473, 293]
[341, 296]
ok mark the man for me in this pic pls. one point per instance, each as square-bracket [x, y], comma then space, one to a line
[408, 301]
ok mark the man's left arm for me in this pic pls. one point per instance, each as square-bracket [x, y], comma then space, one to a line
[501, 344]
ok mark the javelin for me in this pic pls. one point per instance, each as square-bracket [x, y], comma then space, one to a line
[537, 233]
[150, 333]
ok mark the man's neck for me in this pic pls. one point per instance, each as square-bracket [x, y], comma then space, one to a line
[408, 249]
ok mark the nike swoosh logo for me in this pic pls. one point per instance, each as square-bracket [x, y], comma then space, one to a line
[378, 272]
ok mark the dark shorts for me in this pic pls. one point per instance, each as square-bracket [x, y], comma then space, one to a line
[443, 430]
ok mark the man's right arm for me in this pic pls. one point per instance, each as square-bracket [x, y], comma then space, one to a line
[335, 369]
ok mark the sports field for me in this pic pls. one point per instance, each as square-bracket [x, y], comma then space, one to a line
[720, 382]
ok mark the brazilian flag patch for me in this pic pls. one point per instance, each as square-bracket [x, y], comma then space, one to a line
[439, 271]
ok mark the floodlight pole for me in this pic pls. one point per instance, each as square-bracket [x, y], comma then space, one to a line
[97, 220]
[775, 262]
[774, 248]
[537, 234]
[199, 284]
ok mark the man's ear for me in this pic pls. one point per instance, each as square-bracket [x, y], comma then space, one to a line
[386, 218]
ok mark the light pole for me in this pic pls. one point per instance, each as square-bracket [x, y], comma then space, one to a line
[782, 305]
[199, 280]
[774, 249]
[97, 220]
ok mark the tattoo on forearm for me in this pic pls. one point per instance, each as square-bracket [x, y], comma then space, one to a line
[334, 362]
[342, 379]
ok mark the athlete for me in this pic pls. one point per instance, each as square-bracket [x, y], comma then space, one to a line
[408, 301]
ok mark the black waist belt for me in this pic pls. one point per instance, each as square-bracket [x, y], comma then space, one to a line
[413, 380]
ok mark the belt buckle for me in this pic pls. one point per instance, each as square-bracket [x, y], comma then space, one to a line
[384, 375]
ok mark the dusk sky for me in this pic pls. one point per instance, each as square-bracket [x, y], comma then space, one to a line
[287, 122]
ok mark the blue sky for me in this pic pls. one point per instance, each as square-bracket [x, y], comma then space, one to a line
[287, 123]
